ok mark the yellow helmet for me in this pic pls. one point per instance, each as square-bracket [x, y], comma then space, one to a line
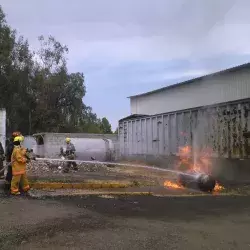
[67, 139]
[19, 138]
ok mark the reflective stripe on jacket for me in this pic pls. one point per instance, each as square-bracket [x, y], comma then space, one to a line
[18, 160]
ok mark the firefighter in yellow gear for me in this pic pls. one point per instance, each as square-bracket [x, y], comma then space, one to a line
[18, 161]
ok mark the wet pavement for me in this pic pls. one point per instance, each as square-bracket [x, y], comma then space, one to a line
[156, 191]
[137, 222]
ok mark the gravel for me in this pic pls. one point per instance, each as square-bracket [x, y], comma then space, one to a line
[46, 167]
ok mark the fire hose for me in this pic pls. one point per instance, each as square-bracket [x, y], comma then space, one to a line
[202, 181]
[4, 168]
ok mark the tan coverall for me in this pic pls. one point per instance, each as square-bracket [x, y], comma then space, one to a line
[19, 160]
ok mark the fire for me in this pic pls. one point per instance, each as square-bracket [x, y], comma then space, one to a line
[196, 168]
[173, 185]
[185, 151]
[190, 163]
[218, 188]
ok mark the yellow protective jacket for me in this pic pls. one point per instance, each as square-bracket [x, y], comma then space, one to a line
[18, 161]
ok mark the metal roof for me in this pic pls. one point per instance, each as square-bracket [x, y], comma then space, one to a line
[77, 135]
[233, 69]
[133, 116]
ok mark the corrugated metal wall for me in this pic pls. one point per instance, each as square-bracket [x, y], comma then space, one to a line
[3, 126]
[212, 90]
[217, 128]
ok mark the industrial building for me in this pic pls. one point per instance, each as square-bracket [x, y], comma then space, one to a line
[209, 112]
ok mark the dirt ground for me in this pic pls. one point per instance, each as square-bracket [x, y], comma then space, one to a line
[108, 222]
[103, 172]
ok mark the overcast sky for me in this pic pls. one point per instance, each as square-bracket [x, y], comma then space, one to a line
[133, 46]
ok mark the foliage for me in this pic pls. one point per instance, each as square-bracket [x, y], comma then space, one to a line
[38, 92]
[106, 126]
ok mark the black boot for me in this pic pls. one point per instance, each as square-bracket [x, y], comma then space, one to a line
[7, 186]
[75, 167]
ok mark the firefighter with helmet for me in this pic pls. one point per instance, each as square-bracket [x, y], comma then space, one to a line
[9, 151]
[69, 154]
[19, 161]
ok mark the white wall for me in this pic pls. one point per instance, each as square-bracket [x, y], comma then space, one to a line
[85, 147]
[217, 89]
[29, 142]
[3, 126]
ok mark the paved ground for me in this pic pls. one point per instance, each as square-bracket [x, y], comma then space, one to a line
[209, 222]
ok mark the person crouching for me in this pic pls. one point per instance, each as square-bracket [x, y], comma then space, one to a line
[19, 161]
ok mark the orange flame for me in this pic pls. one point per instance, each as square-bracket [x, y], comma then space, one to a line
[201, 164]
[173, 185]
[194, 163]
[218, 188]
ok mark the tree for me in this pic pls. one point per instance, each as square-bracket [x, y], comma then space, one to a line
[15, 69]
[106, 126]
[50, 76]
[38, 92]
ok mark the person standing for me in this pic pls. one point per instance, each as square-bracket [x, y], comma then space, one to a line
[70, 155]
[19, 161]
[9, 151]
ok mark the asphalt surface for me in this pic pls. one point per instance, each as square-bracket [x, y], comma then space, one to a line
[209, 222]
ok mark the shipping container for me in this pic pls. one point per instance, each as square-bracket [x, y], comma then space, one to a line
[223, 129]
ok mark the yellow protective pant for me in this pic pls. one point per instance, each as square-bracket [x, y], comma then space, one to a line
[19, 179]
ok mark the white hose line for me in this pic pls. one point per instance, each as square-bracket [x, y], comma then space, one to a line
[115, 164]
[4, 168]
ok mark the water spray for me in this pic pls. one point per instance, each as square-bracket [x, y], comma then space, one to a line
[204, 182]
[113, 164]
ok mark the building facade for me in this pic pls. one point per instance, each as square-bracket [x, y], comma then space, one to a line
[221, 87]
[207, 113]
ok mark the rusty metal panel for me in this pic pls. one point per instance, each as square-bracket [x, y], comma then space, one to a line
[143, 137]
[220, 129]
[121, 140]
[125, 138]
[149, 134]
[130, 138]
[166, 135]
[154, 134]
[138, 136]
[134, 138]
[173, 139]
[160, 135]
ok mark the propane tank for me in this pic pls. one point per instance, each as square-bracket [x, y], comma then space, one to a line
[204, 182]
